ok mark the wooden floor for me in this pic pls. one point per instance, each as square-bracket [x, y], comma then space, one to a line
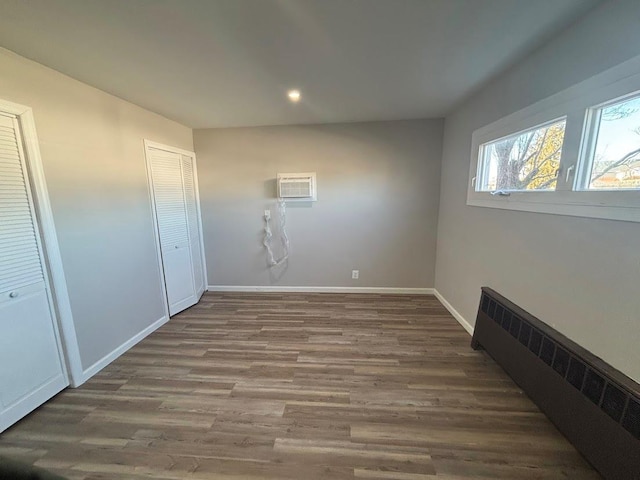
[299, 386]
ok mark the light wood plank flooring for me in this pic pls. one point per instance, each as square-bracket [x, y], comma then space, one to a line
[299, 386]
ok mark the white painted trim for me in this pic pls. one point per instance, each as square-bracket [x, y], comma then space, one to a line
[167, 148]
[68, 338]
[288, 289]
[461, 320]
[526, 203]
[110, 357]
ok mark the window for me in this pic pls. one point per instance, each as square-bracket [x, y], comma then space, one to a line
[615, 158]
[525, 161]
[574, 153]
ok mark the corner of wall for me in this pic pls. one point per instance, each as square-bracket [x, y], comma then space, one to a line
[461, 320]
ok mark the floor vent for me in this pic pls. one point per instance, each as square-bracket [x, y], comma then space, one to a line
[594, 405]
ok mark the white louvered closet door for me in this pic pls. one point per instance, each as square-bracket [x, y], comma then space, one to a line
[31, 362]
[173, 228]
[189, 179]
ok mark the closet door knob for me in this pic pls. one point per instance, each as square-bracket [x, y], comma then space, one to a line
[13, 294]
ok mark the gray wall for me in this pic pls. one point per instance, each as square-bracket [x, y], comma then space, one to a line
[93, 156]
[378, 190]
[583, 275]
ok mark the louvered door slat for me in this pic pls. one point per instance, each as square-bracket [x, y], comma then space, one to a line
[17, 257]
[10, 279]
[14, 221]
[20, 234]
[20, 262]
[2, 155]
[14, 224]
[15, 241]
[13, 195]
[8, 189]
[11, 244]
[7, 168]
[10, 180]
[7, 143]
[8, 276]
[16, 263]
[169, 197]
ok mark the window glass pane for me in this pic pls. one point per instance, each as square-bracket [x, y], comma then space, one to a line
[525, 161]
[616, 159]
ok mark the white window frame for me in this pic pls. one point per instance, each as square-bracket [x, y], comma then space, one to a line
[483, 169]
[571, 196]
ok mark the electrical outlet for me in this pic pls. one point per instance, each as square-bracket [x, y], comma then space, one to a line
[355, 274]
[267, 214]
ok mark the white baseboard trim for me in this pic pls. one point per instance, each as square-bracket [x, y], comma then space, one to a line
[461, 320]
[285, 289]
[110, 357]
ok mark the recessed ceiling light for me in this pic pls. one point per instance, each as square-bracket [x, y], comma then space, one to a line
[294, 95]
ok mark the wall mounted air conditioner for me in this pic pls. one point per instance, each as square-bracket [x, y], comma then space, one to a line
[297, 186]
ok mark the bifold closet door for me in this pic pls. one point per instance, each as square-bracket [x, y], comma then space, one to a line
[174, 193]
[191, 199]
[31, 360]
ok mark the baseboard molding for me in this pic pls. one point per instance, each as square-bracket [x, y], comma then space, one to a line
[461, 320]
[110, 357]
[285, 289]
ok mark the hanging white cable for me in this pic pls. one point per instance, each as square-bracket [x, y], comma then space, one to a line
[268, 236]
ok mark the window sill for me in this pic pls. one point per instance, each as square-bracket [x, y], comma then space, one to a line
[555, 203]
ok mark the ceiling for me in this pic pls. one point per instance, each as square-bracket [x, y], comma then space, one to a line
[222, 63]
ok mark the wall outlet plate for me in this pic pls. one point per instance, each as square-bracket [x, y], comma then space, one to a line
[355, 274]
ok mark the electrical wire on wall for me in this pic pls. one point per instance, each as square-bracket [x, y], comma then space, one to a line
[284, 239]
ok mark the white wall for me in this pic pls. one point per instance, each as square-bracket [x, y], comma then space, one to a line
[581, 275]
[378, 191]
[93, 155]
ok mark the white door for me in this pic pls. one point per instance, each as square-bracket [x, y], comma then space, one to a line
[176, 214]
[191, 199]
[31, 362]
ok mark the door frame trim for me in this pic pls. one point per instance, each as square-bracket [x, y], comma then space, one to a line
[65, 331]
[148, 145]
